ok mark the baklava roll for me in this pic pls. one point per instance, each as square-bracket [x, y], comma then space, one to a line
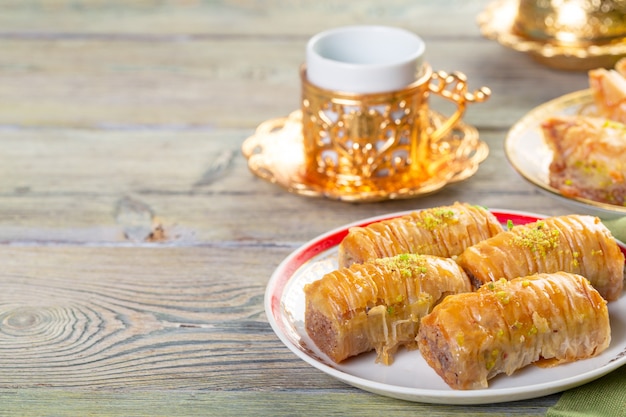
[377, 305]
[579, 244]
[504, 326]
[442, 231]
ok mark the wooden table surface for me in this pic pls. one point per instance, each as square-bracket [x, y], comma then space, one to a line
[135, 244]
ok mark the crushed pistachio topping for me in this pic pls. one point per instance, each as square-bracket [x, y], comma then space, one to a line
[490, 361]
[611, 124]
[539, 238]
[497, 285]
[594, 167]
[509, 224]
[499, 289]
[503, 296]
[407, 264]
[438, 218]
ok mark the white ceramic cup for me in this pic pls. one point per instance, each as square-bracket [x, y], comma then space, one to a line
[364, 59]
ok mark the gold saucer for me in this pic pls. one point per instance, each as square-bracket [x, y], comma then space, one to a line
[497, 22]
[275, 153]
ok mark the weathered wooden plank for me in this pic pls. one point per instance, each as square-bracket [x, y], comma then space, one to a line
[137, 318]
[189, 187]
[135, 245]
[206, 81]
[31, 403]
[209, 83]
[216, 17]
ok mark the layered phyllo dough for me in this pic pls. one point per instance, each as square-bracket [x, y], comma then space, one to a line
[589, 149]
[589, 157]
[504, 326]
[378, 305]
[441, 231]
[579, 244]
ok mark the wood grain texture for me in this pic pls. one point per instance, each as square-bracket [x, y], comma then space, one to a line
[135, 245]
[224, 18]
[158, 331]
[228, 403]
[70, 187]
[206, 75]
[203, 84]
[128, 318]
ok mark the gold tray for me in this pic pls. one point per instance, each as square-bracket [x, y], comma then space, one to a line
[275, 153]
[497, 21]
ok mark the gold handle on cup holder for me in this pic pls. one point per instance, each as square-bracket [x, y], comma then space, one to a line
[453, 87]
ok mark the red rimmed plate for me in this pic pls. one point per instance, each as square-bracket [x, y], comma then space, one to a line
[409, 377]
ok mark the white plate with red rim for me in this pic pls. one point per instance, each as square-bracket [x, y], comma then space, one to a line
[409, 377]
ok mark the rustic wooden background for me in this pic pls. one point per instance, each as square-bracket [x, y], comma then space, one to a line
[135, 245]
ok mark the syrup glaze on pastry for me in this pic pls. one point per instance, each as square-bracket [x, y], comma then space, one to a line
[441, 231]
[378, 305]
[578, 244]
[505, 325]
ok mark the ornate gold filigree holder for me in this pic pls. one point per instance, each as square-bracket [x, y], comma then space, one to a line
[275, 153]
[383, 141]
[567, 34]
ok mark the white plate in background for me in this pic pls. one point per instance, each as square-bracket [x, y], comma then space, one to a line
[530, 156]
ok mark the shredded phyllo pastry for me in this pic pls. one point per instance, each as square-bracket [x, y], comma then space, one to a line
[576, 243]
[544, 319]
[378, 305]
[441, 231]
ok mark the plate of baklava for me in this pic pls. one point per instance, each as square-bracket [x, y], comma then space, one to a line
[456, 304]
[574, 147]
